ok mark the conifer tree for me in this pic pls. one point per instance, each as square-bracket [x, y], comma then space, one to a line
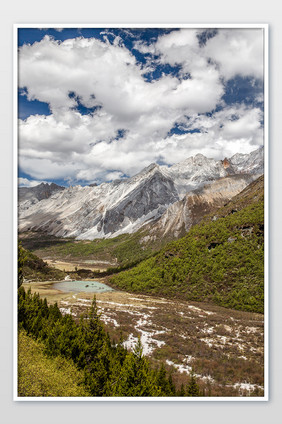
[181, 392]
[192, 387]
[136, 377]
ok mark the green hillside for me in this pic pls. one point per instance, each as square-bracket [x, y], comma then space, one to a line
[35, 269]
[221, 260]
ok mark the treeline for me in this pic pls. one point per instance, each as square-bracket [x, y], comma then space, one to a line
[107, 368]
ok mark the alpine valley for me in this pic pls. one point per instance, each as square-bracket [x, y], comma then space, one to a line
[187, 240]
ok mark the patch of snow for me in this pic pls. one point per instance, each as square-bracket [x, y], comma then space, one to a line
[207, 378]
[85, 300]
[180, 367]
[194, 308]
[188, 358]
[240, 346]
[65, 311]
[243, 357]
[209, 342]
[183, 315]
[209, 312]
[222, 338]
[249, 330]
[149, 343]
[243, 387]
[136, 298]
[131, 342]
[134, 313]
[187, 369]
[126, 304]
[108, 320]
[207, 330]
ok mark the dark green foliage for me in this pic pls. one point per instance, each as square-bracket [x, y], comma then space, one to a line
[220, 261]
[108, 369]
[21, 262]
[192, 387]
[166, 383]
[35, 269]
[136, 378]
[181, 392]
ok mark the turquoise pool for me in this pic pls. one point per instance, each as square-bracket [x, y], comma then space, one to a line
[82, 286]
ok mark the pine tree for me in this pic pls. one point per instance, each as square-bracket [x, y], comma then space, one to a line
[162, 382]
[181, 392]
[136, 377]
[192, 387]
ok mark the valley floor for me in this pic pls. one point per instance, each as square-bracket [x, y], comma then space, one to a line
[224, 347]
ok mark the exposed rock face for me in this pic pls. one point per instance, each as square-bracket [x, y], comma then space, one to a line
[226, 163]
[153, 195]
[176, 194]
[194, 172]
[31, 195]
[102, 211]
[180, 216]
[248, 164]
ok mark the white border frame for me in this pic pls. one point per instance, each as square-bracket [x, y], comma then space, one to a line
[265, 28]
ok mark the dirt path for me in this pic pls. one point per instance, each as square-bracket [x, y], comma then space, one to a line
[224, 347]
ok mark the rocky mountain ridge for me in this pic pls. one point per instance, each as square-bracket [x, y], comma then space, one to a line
[183, 214]
[124, 206]
[28, 196]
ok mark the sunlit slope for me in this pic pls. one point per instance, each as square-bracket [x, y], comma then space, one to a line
[221, 260]
[40, 375]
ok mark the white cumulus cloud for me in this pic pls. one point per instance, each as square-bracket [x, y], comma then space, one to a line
[107, 77]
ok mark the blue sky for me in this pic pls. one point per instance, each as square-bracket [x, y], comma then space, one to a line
[99, 104]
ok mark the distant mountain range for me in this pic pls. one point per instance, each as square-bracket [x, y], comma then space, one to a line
[166, 199]
[28, 196]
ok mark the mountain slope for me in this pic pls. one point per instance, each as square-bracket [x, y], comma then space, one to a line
[220, 260]
[251, 164]
[102, 211]
[124, 206]
[28, 196]
[182, 215]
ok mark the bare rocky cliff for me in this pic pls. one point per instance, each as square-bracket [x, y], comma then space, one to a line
[182, 215]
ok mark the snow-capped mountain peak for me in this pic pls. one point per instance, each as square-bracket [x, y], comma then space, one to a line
[126, 205]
